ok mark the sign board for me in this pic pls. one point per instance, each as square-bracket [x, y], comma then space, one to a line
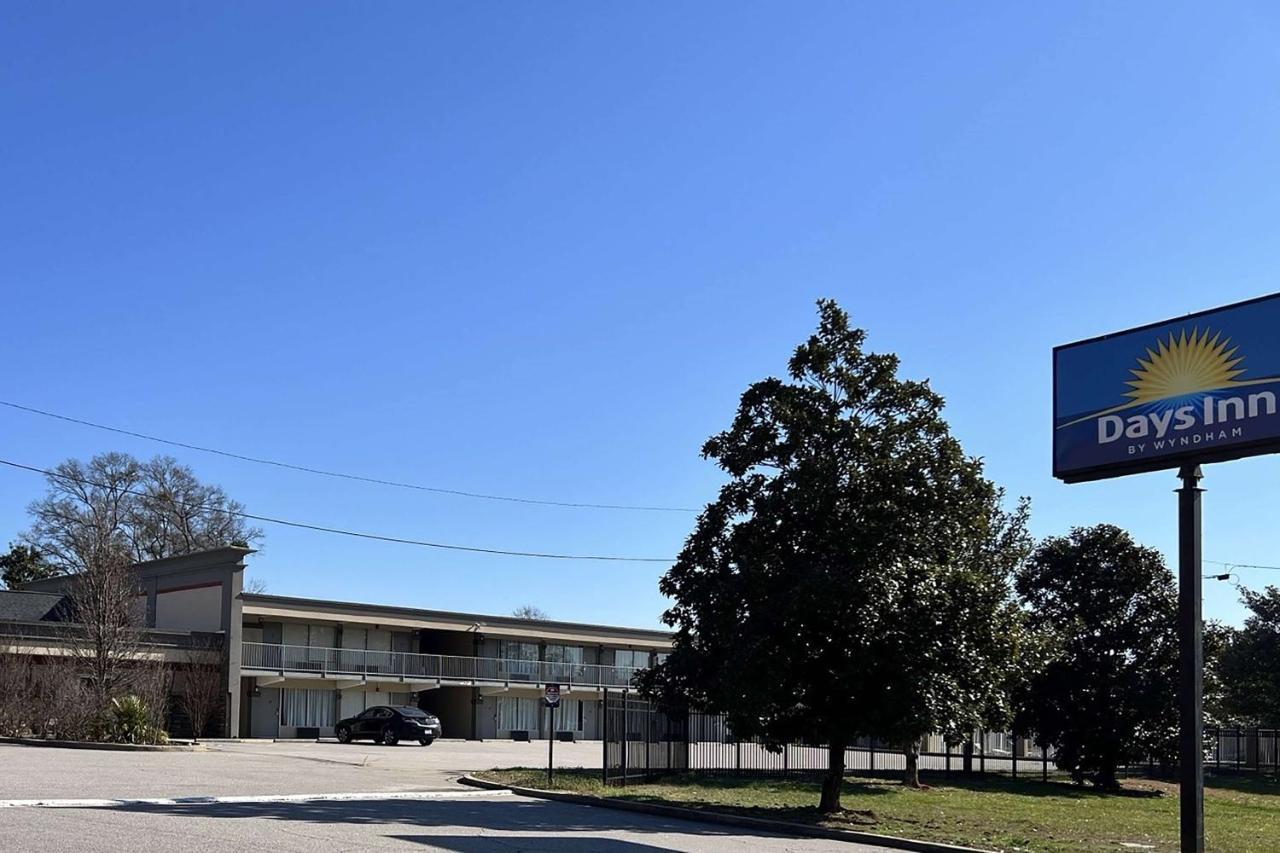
[552, 695]
[1202, 388]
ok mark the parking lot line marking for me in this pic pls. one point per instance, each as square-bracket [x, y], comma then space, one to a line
[83, 803]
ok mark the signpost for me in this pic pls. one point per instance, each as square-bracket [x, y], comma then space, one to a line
[1177, 394]
[551, 695]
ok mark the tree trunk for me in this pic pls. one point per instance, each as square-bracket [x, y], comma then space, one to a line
[911, 751]
[834, 779]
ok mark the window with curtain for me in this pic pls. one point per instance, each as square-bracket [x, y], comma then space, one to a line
[631, 657]
[518, 658]
[517, 714]
[565, 654]
[306, 707]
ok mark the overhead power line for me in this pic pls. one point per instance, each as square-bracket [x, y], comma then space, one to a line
[1242, 565]
[339, 474]
[355, 533]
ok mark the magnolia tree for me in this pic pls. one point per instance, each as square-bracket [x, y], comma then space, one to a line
[1102, 614]
[853, 576]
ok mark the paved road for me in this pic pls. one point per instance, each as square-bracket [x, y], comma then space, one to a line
[410, 801]
[488, 824]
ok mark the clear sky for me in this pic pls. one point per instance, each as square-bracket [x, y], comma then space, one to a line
[538, 249]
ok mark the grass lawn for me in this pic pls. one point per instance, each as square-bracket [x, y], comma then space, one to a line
[1242, 814]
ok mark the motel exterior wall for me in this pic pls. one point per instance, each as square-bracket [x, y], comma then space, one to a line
[299, 644]
[500, 704]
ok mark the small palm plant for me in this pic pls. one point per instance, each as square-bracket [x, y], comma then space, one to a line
[130, 720]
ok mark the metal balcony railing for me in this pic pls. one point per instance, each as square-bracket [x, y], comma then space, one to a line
[411, 666]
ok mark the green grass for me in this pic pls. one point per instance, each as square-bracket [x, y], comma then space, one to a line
[1242, 814]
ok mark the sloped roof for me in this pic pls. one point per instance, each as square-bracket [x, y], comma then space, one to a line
[23, 606]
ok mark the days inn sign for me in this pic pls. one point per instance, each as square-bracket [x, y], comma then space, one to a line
[1203, 388]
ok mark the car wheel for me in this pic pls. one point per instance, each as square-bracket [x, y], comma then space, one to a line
[426, 741]
[389, 736]
[344, 735]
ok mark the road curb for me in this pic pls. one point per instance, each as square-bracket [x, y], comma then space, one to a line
[780, 827]
[117, 747]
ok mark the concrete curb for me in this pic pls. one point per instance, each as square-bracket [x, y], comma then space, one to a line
[117, 747]
[779, 827]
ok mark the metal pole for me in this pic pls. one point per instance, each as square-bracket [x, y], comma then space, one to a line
[604, 737]
[551, 746]
[1191, 664]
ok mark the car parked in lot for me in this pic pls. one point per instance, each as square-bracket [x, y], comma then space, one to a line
[389, 725]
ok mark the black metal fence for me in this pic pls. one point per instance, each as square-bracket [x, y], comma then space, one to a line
[641, 743]
[1242, 749]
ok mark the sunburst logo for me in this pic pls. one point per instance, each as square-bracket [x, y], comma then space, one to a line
[1183, 368]
[1184, 365]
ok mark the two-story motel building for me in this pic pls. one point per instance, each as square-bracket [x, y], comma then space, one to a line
[295, 666]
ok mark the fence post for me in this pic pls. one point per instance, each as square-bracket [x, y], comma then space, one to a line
[1217, 752]
[737, 756]
[648, 750]
[1014, 754]
[625, 735]
[604, 739]
[1238, 750]
[982, 753]
[786, 757]
[947, 749]
[1044, 763]
[871, 751]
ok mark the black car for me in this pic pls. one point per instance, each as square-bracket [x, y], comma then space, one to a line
[389, 725]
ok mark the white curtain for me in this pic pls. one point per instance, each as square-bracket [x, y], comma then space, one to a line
[517, 714]
[306, 707]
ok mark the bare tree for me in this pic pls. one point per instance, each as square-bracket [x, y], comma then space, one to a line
[255, 586]
[528, 611]
[16, 692]
[203, 686]
[63, 705]
[109, 614]
[150, 510]
[152, 681]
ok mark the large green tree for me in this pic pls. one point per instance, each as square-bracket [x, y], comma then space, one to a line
[1250, 665]
[853, 576]
[1103, 612]
[23, 564]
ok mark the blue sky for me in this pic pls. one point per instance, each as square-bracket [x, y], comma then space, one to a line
[539, 250]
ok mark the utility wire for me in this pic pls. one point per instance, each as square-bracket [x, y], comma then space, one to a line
[339, 474]
[1242, 565]
[357, 534]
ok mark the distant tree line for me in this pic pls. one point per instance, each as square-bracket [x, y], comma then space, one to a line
[858, 575]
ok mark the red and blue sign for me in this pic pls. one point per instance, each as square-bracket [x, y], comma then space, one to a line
[1203, 388]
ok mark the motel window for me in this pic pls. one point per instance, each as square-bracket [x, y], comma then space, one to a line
[565, 654]
[513, 650]
[516, 713]
[638, 658]
[306, 707]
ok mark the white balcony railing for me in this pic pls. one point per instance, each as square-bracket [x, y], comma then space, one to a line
[409, 666]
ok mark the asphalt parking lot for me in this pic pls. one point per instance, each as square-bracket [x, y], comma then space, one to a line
[299, 796]
[263, 768]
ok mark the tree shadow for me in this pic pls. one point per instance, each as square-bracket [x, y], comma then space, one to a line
[508, 843]
[500, 813]
[1039, 788]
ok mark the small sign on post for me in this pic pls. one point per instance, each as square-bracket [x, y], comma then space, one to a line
[551, 695]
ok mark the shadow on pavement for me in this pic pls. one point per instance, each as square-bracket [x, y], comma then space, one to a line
[505, 813]
[508, 843]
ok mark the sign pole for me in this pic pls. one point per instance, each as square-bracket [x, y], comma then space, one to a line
[1190, 663]
[551, 696]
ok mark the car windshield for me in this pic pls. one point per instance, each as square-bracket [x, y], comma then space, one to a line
[412, 712]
